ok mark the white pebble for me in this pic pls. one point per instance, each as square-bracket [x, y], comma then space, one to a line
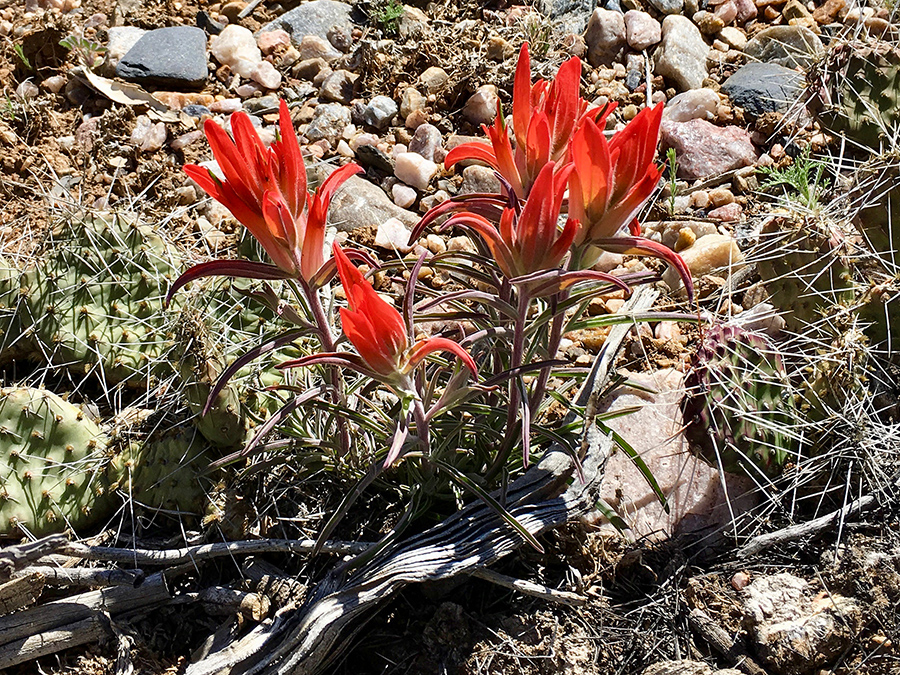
[393, 235]
[236, 48]
[404, 196]
[414, 170]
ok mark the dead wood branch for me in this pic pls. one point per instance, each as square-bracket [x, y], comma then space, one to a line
[16, 557]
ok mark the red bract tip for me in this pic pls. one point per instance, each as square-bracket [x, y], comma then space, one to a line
[265, 190]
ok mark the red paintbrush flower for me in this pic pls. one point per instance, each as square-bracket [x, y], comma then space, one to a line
[378, 333]
[529, 241]
[265, 190]
[611, 181]
[545, 114]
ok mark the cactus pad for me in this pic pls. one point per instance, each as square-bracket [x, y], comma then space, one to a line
[739, 409]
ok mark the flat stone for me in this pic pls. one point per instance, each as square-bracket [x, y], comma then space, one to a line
[433, 78]
[733, 37]
[360, 203]
[695, 495]
[339, 86]
[692, 105]
[759, 88]
[708, 254]
[313, 18]
[605, 37]
[788, 46]
[570, 15]
[681, 56]
[121, 40]
[704, 150]
[170, 57]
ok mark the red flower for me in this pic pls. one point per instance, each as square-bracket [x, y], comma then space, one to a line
[611, 181]
[265, 189]
[544, 117]
[378, 332]
[529, 241]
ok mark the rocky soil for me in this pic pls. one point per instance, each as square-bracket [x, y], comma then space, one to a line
[104, 102]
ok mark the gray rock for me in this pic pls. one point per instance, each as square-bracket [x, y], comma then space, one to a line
[121, 40]
[339, 86]
[681, 56]
[668, 6]
[759, 88]
[605, 37]
[318, 17]
[570, 15]
[380, 112]
[788, 46]
[704, 150]
[359, 203]
[479, 180]
[171, 57]
[328, 122]
[793, 628]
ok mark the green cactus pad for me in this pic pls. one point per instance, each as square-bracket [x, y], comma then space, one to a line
[739, 409]
[53, 464]
[94, 300]
[165, 473]
[804, 270]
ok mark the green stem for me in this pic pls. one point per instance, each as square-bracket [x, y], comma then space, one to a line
[518, 351]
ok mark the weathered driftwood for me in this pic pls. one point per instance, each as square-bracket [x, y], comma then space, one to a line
[530, 588]
[177, 556]
[20, 592]
[16, 557]
[273, 582]
[306, 639]
[59, 613]
[84, 576]
[22, 650]
[221, 600]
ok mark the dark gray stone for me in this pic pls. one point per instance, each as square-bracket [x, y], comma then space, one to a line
[312, 18]
[633, 79]
[196, 110]
[171, 57]
[759, 88]
[571, 15]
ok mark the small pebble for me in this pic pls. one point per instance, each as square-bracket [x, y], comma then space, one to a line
[186, 139]
[393, 235]
[404, 196]
[225, 106]
[54, 84]
[686, 238]
[414, 170]
[721, 196]
[196, 110]
[435, 243]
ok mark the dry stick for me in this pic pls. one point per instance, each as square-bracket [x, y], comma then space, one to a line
[805, 530]
[20, 592]
[206, 551]
[53, 615]
[531, 588]
[85, 576]
[13, 558]
[308, 639]
[721, 641]
[35, 646]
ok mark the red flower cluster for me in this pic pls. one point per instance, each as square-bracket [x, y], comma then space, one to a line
[608, 180]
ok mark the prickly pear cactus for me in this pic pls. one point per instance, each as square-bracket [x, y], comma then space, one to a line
[739, 407]
[53, 464]
[804, 269]
[93, 302]
[166, 473]
[200, 364]
[855, 91]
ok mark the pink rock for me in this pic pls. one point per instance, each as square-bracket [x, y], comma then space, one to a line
[704, 150]
[641, 29]
[746, 10]
[695, 494]
[270, 40]
[727, 11]
[727, 213]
